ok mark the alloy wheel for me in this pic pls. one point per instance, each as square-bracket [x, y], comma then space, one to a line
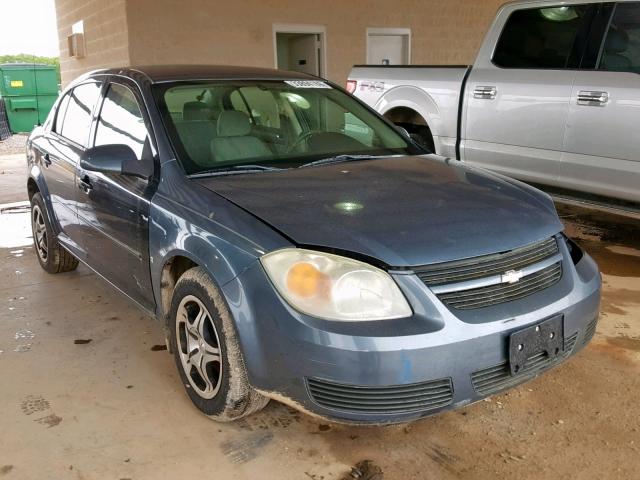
[198, 347]
[39, 233]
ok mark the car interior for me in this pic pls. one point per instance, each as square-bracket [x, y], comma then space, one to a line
[225, 124]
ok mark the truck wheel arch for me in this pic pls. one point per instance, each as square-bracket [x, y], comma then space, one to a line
[412, 106]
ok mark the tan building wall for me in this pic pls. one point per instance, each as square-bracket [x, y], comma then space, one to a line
[240, 32]
[105, 32]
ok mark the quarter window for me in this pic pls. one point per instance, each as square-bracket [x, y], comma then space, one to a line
[121, 121]
[542, 38]
[621, 49]
[77, 113]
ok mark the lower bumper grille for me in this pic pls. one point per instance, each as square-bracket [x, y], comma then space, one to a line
[494, 379]
[416, 397]
[590, 331]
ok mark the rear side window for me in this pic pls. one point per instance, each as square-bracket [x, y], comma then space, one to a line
[77, 115]
[543, 38]
[621, 49]
[121, 121]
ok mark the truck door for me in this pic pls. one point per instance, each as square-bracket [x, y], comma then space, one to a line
[602, 141]
[113, 209]
[518, 93]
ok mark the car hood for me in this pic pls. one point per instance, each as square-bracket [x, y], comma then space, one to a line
[403, 211]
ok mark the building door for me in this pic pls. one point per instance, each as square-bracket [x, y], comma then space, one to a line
[388, 46]
[300, 49]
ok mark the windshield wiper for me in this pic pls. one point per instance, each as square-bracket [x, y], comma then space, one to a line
[233, 170]
[339, 159]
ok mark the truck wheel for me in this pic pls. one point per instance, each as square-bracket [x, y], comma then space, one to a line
[52, 256]
[206, 350]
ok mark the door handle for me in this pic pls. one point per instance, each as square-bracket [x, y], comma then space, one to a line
[593, 98]
[485, 93]
[84, 184]
[46, 159]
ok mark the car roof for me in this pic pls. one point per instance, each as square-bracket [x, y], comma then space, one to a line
[168, 73]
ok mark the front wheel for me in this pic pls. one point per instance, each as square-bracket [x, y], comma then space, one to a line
[206, 350]
[52, 256]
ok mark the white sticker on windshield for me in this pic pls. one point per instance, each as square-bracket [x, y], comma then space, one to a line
[307, 84]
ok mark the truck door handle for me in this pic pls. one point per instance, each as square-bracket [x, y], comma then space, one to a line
[84, 184]
[485, 93]
[46, 159]
[593, 99]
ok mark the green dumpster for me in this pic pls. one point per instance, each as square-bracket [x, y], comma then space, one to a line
[29, 91]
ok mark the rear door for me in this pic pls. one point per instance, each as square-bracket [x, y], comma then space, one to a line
[60, 153]
[602, 142]
[518, 94]
[113, 209]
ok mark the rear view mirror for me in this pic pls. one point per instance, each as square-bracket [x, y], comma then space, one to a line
[119, 159]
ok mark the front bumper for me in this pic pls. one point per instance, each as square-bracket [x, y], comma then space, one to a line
[400, 370]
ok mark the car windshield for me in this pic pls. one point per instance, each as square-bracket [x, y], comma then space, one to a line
[245, 125]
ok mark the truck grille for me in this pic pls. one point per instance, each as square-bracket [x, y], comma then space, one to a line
[393, 399]
[494, 379]
[450, 274]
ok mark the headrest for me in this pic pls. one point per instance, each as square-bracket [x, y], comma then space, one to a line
[617, 41]
[232, 123]
[194, 111]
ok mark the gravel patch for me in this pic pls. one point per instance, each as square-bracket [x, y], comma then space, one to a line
[14, 144]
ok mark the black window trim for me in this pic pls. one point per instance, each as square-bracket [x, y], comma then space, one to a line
[586, 29]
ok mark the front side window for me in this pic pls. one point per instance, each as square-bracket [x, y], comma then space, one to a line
[77, 115]
[121, 121]
[621, 49]
[283, 124]
[543, 38]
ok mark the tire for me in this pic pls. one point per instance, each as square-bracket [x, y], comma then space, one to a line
[204, 343]
[52, 256]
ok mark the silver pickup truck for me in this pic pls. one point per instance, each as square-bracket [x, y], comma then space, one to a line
[553, 98]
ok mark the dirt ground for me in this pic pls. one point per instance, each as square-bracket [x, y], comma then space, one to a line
[88, 392]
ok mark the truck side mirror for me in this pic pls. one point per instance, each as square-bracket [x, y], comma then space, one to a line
[119, 159]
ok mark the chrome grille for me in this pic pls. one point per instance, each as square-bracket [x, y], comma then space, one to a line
[505, 292]
[478, 282]
[494, 379]
[393, 399]
[487, 265]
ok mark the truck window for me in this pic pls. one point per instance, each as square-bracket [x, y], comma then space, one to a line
[121, 121]
[542, 38]
[77, 117]
[621, 49]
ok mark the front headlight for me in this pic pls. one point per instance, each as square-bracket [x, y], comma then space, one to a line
[333, 287]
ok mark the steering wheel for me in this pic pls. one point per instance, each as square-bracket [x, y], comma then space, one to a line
[303, 137]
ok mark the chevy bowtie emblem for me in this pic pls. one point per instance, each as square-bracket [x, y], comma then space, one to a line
[512, 276]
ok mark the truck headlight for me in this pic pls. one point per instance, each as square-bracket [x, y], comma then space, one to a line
[334, 287]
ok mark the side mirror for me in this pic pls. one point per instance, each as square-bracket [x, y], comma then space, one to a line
[120, 159]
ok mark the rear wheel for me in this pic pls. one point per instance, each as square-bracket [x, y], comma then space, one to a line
[206, 350]
[52, 256]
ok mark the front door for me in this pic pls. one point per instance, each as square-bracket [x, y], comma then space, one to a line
[517, 103]
[113, 209]
[602, 143]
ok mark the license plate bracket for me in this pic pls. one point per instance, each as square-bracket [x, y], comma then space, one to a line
[543, 337]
